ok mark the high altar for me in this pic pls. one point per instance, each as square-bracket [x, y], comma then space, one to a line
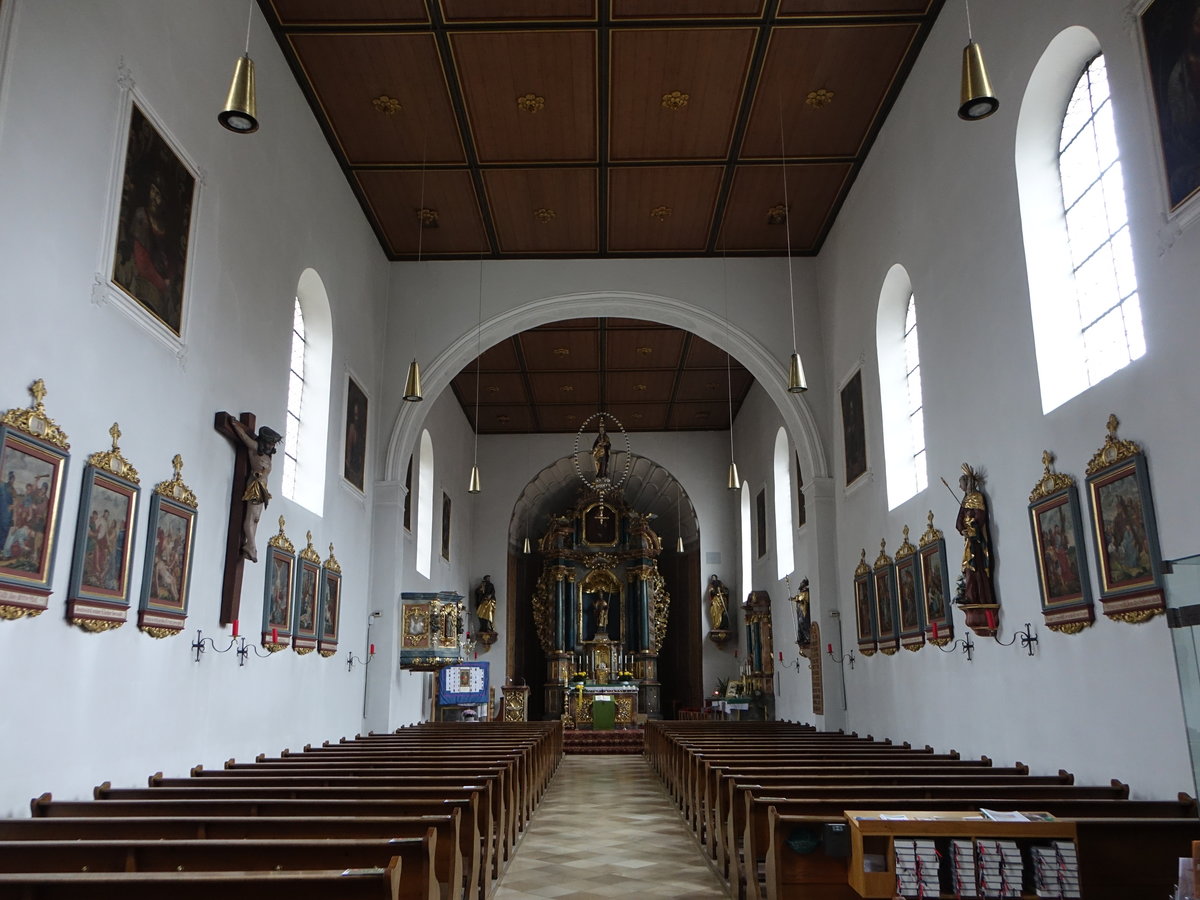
[600, 607]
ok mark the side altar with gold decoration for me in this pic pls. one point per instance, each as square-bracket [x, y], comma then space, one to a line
[600, 607]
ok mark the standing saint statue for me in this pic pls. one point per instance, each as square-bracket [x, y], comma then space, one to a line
[975, 586]
[600, 452]
[485, 604]
[718, 604]
[259, 450]
[601, 606]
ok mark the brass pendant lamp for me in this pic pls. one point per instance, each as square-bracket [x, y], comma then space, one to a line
[977, 99]
[734, 483]
[678, 518]
[475, 487]
[412, 384]
[240, 113]
[796, 383]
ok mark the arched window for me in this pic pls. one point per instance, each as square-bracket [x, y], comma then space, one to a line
[425, 506]
[1082, 285]
[900, 388]
[745, 536]
[295, 402]
[784, 537]
[309, 368]
[408, 495]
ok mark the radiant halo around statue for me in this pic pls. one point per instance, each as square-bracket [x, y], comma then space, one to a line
[602, 452]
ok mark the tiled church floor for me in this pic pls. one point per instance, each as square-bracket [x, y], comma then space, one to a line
[606, 828]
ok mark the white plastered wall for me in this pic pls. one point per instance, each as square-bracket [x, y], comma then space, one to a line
[939, 196]
[80, 708]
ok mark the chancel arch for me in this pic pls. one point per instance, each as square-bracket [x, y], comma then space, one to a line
[604, 591]
[768, 369]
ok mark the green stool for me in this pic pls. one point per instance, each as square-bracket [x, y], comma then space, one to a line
[604, 715]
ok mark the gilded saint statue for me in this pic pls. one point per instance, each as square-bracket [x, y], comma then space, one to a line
[601, 447]
[718, 604]
[485, 604]
[975, 587]
[601, 605]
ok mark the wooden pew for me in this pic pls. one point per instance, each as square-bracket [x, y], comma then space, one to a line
[487, 827]
[721, 779]
[746, 859]
[245, 855]
[727, 812]
[1119, 858]
[447, 862]
[350, 884]
[326, 785]
[475, 874]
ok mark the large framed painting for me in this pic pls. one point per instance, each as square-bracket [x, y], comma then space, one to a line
[307, 600]
[934, 575]
[1171, 43]
[760, 520]
[887, 626]
[278, 590]
[854, 429]
[1057, 525]
[864, 607]
[153, 206]
[354, 436]
[98, 597]
[908, 596]
[445, 526]
[33, 469]
[331, 605]
[167, 572]
[1123, 525]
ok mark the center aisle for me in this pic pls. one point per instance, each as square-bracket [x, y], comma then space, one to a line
[605, 828]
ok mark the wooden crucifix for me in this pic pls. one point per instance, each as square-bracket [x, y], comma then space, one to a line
[249, 497]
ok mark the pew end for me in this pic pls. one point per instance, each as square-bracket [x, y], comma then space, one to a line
[101, 789]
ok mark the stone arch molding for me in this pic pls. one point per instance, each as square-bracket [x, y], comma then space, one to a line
[767, 370]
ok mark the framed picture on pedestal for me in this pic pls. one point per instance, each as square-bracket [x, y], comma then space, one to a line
[934, 576]
[1057, 526]
[864, 607]
[98, 597]
[1123, 525]
[167, 571]
[33, 469]
[883, 575]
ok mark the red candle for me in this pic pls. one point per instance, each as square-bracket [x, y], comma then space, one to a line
[935, 631]
[372, 653]
[991, 617]
[235, 627]
[274, 635]
[735, 653]
[829, 649]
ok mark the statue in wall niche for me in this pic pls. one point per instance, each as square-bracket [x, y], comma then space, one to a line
[260, 449]
[975, 587]
[485, 604]
[718, 604]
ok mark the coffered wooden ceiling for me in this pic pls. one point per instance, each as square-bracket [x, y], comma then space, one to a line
[583, 128]
[651, 377]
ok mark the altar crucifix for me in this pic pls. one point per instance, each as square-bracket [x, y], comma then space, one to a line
[252, 467]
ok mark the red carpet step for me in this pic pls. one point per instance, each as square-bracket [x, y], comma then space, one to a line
[629, 740]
